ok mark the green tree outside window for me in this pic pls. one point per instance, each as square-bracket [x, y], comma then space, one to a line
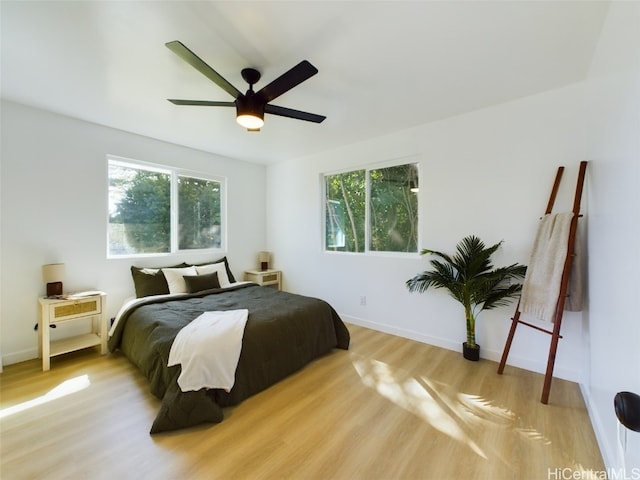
[390, 205]
[140, 211]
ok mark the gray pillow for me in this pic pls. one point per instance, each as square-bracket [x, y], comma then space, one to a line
[198, 283]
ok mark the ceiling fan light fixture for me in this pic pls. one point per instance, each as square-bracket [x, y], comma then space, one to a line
[250, 111]
[250, 121]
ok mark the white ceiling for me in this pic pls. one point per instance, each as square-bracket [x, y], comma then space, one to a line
[383, 66]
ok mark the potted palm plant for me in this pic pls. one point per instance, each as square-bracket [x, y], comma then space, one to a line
[472, 280]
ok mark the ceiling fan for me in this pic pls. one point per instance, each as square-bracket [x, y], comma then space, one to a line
[250, 106]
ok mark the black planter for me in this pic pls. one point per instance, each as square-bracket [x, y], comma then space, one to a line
[471, 353]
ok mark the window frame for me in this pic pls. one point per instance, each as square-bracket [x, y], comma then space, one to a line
[174, 173]
[396, 162]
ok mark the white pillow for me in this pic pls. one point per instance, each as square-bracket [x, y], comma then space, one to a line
[220, 268]
[150, 271]
[174, 278]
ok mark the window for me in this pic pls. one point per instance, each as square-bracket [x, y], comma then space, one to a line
[155, 210]
[372, 210]
[198, 213]
[345, 211]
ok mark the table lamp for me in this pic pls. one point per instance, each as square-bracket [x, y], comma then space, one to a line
[53, 275]
[263, 258]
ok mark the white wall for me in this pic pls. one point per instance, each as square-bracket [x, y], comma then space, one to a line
[487, 173]
[54, 209]
[613, 100]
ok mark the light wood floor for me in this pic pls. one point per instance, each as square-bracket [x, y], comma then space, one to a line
[389, 408]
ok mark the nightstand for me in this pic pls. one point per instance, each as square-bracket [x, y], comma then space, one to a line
[58, 311]
[266, 278]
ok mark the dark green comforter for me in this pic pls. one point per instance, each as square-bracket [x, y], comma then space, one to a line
[284, 332]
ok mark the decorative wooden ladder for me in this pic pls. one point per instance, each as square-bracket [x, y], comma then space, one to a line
[562, 294]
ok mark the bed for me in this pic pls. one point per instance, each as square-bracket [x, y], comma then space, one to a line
[283, 333]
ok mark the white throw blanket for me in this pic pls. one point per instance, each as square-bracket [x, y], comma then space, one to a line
[541, 286]
[208, 349]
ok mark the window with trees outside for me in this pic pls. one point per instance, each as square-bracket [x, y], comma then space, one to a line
[155, 210]
[372, 210]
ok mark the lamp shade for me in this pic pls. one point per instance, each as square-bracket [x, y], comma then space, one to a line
[53, 272]
[264, 257]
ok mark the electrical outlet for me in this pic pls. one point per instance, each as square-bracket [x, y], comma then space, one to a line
[363, 300]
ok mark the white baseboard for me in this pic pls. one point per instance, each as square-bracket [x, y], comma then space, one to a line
[401, 332]
[607, 451]
[514, 360]
[21, 356]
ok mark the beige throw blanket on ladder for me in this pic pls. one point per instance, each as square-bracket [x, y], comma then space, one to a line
[541, 286]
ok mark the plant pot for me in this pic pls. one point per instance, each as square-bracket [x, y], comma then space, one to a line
[471, 352]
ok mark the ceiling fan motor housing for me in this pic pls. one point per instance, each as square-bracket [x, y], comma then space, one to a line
[250, 104]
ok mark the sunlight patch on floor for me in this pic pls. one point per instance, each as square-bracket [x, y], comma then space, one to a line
[67, 387]
[417, 397]
[452, 412]
[532, 434]
[478, 409]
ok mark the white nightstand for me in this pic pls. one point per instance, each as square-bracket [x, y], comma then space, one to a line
[58, 311]
[266, 278]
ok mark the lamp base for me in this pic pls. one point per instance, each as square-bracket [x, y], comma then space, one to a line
[54, 288]
[264, 266]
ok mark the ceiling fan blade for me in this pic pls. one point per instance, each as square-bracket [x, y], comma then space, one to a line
[288, 80]
[201, 103]
[192, 59]
[291, 113]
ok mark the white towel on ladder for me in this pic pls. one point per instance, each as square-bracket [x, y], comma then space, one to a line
[208, 349]
[541, 286]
